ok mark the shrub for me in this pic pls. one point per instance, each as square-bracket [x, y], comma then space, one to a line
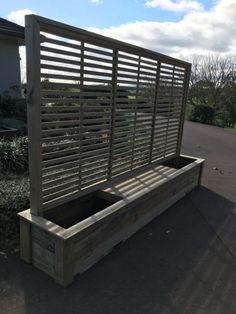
[14, 197]
[224, 119]
[11, 107]
[202, 113]
[7, 106]
[14, 155]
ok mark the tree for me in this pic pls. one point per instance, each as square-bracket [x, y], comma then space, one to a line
[213, 85]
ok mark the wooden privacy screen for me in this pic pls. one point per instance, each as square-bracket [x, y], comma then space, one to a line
[98, 109]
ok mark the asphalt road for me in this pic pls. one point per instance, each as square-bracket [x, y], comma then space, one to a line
[182, 262]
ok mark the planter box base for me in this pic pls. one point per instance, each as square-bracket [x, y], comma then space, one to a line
[70, 238]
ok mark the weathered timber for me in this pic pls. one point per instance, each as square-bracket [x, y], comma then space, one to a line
[105, 129]
[90, 90]
[63, 252]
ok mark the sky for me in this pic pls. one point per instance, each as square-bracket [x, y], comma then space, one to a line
[104, 13]
[180, 28]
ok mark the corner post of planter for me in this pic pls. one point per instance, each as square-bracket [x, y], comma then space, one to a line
[200, 174]
[64, 261]
[25, 240]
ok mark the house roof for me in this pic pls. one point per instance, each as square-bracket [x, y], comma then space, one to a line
[12, 30]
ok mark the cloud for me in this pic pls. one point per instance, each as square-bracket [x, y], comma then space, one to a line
[175, 5]
[96, 1]
[199, 32]
[18, 16]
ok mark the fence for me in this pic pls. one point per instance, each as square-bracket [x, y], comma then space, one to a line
[98, 109]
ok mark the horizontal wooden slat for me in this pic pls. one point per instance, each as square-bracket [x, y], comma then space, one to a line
[45, 66]
[128, 64]
[58, 187]
[60, 153]
[60, 160]
[65, 53]
[59, 170]
[92, 181]
[88, 58]
[97, 80]
[92, 159]
[55, 139]
[98, 51]
[60, 115]
[148, 68]
[74, 130]
[60, 193]
[59, 180]
[148, 61]
[128, 82]
[127, 57]
[59, 145]
[62, 43]
[97, 66]
[59, 60]
[60, 76]
[59, 123]
[97, 73]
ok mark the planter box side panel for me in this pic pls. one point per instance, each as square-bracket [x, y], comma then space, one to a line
[43, 251]
[100, 241]
[62, 256]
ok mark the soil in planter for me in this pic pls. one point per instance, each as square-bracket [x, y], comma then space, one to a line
[69, 214]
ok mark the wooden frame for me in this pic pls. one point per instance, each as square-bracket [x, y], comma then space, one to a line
[105, 130]
[98, 108]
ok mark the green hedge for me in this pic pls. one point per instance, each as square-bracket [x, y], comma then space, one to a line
[14, 197]
[205, 113]
[202, 113]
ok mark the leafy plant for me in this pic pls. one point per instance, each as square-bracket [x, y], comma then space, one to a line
[14, 154]
[202, 113]
[14, 197]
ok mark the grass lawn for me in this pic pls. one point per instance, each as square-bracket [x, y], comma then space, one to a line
[232, 129]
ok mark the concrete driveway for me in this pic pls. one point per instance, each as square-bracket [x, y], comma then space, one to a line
[182, 262]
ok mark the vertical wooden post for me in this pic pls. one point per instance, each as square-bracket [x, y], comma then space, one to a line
[25, 241]
[183, 108]
[113, 110]
[169, 109]
[200, 174]
[81, 113]
[154, 109]
[135, 112]
[64, 261]
[32, 38]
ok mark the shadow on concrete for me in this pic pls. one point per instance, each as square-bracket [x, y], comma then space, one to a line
[182, 262]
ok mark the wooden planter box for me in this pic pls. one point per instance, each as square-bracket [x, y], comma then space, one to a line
[73, 237]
